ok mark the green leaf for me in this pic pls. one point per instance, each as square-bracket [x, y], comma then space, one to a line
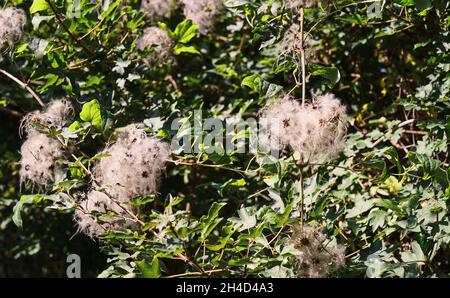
[389, 204]
[75, 170]
[151, 270]
[415, 255]
[230, 184]
[179, 48]
[261, 86]
[245, 221]
[185, 31]
[222, 241]
[75, 126]
[360, 207]
[377, 218]
[21, 48]
[392, 185]
[38, 5]
[24, 200]
[91, 113]
[422, 5]
[209, 222]
[405, 2]
[330, 74]
[252, 82]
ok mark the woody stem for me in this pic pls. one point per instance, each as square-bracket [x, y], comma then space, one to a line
[302, 55]
[302, 198]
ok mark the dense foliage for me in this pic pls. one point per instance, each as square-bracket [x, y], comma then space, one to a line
[377, 208]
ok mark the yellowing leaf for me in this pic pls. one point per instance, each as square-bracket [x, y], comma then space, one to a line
[38, 5]
[91, 113]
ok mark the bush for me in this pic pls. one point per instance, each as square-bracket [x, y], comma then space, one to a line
[234, 138]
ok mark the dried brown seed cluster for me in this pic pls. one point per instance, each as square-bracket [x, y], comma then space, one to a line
[161, 44]
[316, 256]
[39, 152]
[133, 167]
[158, 9]
[314, 130]
[12, 21]
[203, 13]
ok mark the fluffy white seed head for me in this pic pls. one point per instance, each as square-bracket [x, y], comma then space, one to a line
[55, 115]
[12, 21]
[314, 130]
[39, 152]
[291, 45]
[135, 163]
[203, 13]
[158, 9]
[131, 167]
[161, 44]
[316, 256]
[99, 214]
[38, 163]
[296, 4]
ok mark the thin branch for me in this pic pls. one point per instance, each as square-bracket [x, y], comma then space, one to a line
[23, 85]
[302, 198]
[97, 184]
[208, 272]
[178, 162]
[13, 113]
[302, 55]
[78, 40]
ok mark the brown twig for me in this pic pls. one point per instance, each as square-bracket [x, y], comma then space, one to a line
[302, 55]
[23, 85]
[97, 184]
[208, 272]
[72, 35]
[13, 113]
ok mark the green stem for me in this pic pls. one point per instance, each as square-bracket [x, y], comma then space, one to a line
[302, 198]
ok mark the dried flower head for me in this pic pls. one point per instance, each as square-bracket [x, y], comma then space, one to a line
[203, 13]
[38, 162]
[99, 214]
[39, 152]
[135, 163]
[158, 9]
[131, 167]
[316, 257]
[296, 4]
[55, 115]
[291, 45]
[12, 21]
[161, 44]
[314, 130]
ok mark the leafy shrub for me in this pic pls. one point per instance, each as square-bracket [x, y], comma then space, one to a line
[359, 93]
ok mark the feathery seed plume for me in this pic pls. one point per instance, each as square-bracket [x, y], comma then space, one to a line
[203, 13]
[161, 44]
[12, 21]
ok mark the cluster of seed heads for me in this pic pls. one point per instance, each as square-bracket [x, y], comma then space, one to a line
[98, 213]
[314, 130]
[135, 162]
[296, 4]
[158, 9]
[40, 153]
[160, 44]
[316, 256]
[291, 45]
[12, 21]
[131, 167]
[202, 12]
[55, 115]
